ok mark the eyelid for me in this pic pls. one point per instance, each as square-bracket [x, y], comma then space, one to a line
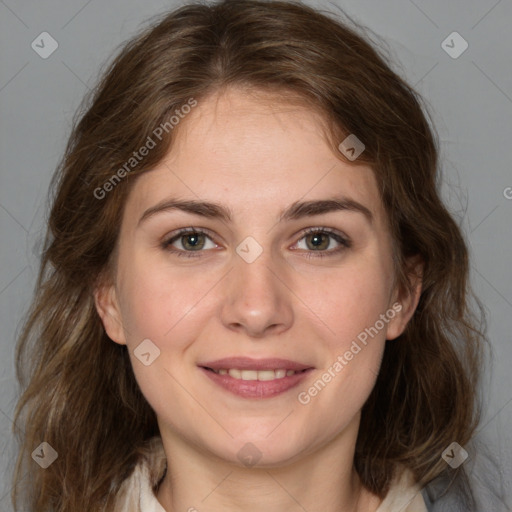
[190, 229]
[325, 229]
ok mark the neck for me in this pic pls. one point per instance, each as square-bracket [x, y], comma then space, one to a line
[322, 480]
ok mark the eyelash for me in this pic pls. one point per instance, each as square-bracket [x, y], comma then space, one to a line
[344, 242]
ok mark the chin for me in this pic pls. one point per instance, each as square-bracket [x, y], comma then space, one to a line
[263, 451]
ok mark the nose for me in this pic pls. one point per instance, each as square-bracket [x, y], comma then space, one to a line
[257, 302]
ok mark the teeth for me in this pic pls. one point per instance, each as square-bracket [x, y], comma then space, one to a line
[256, 374]
[236, 374]
[249, 375]
[266, 375]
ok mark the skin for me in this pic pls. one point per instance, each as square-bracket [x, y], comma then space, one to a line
[255, 156]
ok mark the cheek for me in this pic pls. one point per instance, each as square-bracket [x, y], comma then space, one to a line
[351, 300]
[350, 305]
[157, 301]
[170, 309]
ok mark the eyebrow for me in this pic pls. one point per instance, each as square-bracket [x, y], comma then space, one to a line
[295, 211]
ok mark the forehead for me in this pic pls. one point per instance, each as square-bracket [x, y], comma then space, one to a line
[254, 153]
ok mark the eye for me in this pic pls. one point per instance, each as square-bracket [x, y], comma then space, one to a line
[187, 241]
[317, 242]
[323, 241]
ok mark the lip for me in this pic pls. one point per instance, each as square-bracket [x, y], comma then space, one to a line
[247, 363]
[255, 388]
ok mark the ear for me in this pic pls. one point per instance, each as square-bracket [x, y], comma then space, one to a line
[405, 299]
[107, 306]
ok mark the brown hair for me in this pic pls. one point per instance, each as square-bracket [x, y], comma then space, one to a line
[79, 390]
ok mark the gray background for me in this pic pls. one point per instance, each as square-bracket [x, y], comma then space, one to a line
[470, 98]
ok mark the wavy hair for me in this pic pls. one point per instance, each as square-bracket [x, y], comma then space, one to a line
[79, 393]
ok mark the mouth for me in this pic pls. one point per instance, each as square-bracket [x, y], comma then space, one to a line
[261, 375]
[255, 378]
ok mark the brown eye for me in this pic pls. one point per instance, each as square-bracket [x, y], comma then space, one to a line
[318, 241]
[323, 242]
[193, 241]
[188, 241]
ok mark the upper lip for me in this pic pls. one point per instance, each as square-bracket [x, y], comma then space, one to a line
[246, 363]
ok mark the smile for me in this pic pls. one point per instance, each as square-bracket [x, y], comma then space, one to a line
[255, 374]
[255, 378]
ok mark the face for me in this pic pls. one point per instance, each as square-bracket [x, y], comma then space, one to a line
[254, 283]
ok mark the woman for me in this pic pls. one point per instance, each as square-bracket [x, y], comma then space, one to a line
[251, 296]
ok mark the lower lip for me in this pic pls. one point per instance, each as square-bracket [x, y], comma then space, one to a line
[256, 388]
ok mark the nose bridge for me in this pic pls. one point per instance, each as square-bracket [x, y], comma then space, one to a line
[257, 277]
[256, 300]
[256, 283]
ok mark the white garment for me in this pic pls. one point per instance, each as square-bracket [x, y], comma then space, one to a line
[137, 495]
